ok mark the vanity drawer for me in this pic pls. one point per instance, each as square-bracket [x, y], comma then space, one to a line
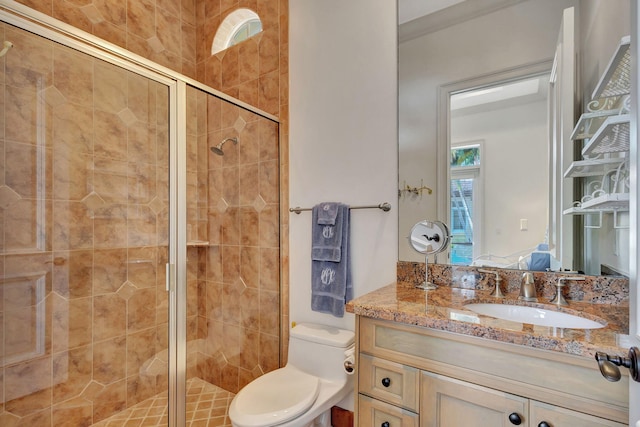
[373, 412]
[389, 381]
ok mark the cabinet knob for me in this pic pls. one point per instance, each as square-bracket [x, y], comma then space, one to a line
[515, 419]
[386, 382]
[544, 424]
[385, 424]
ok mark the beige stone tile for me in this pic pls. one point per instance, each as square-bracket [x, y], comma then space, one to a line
[31, 64]
[250, 309]
[214, 302]
[247, 61]
[269, 352]
[143, 267]
[269, 92]
[69, 323]
[139, 388]
[110, 270]
[27, 386]
[73, 75]
[73, 128]
[71, 374]
[249, 231]
[269, 181]
[269, 226]
[250, 267]
[269, 269]
[109, 318]
[73, 413]
[141, 18]
[269, 55]
[28, 169]
[25, 229]
[249, 348]
[110, 226]
[269, 312]
[73, 174]
[231, 300]
[109, 360]
[72, 226]
[111, 400]
[249, 184]
[110, 87]
[141, 183]
[110, 135]
[231, 227]
[141, 348]
[141, 313]
[70, 13]
[168, 29]
[230, 68]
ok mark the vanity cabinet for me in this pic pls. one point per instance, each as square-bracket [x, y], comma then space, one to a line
[415, 376]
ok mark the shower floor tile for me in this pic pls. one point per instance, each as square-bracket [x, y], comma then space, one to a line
[207, 406]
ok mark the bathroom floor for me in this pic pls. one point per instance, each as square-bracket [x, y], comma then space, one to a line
[207, 406]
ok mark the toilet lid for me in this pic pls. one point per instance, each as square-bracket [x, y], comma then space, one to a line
[274, 398]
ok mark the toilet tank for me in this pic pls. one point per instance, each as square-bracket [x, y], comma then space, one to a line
[319, 349]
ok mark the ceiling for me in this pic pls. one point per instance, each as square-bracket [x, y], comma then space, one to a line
[408, 10]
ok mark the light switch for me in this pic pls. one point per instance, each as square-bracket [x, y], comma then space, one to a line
[524, 224]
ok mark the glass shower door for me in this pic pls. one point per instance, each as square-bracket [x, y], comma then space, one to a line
[84, 211]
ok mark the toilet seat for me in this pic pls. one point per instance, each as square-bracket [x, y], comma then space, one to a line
[274, 398]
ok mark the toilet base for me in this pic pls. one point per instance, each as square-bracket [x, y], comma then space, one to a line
[322, 420]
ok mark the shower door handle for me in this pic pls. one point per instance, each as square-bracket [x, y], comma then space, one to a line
[169, 279]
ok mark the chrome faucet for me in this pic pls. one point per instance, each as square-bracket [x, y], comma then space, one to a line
[497, 292]
[528, 288]
[559, 298]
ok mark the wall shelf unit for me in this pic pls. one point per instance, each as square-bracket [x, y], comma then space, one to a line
[616, 80]
[592, 167]
[605, 132]
[611, 137]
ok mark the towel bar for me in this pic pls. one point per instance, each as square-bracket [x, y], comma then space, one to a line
[385, 206]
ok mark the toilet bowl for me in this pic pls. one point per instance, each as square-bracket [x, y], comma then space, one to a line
[302, 393]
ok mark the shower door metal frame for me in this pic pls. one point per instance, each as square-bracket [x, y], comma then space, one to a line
[57, 32]
[45, 26]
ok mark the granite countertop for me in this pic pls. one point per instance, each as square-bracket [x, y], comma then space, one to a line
[444, 309]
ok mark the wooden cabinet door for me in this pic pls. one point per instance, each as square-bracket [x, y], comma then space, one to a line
[374, 413]
[555, 416]
[447, 402]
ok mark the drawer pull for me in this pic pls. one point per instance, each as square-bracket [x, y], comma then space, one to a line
[515, 419]
[386, 382]
[543, 424]
[385, 424]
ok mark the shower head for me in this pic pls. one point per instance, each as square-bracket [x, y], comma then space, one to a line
[218, 148]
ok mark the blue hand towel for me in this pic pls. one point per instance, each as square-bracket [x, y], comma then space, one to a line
[326, 239]
[327, 213]
[331, 285]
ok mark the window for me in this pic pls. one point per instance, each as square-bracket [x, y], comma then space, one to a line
[464, 196]
[238, 26]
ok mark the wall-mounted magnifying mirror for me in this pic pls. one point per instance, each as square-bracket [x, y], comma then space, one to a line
[429, 238]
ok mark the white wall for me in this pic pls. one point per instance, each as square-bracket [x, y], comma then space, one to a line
[521, 34]
[343, 137]
[515, 132]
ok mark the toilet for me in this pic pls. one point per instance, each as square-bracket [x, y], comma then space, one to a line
[302, 393]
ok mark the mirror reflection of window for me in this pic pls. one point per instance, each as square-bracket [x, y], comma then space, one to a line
[498, 174]
[465, 195]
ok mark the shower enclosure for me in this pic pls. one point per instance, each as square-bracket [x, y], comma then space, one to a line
[139, 271]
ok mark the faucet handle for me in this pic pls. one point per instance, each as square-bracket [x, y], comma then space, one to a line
[497, 292]
[558, 299]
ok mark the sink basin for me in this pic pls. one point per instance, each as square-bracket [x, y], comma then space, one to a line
[534, 315]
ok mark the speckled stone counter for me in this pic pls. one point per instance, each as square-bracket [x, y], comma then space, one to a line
[603, 299]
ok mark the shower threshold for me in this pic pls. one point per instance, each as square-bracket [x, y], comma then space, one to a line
[207, 406]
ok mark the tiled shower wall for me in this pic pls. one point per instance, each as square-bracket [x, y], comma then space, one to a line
[233, 254]
[178, 34]
[83, 204]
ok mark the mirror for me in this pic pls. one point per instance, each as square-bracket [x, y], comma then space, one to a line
[429, 238]
[451, 53]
